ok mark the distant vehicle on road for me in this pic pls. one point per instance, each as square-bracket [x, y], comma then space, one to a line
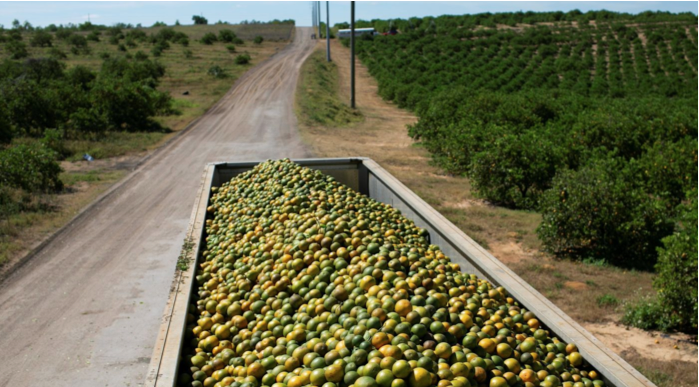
[357, 32]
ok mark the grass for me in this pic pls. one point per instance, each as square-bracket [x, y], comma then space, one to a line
[318, 102]
[83, 181]
[589, 292]
[46, 213]
[113, 144]
[185, 257]
[664, 373]
[607, 300]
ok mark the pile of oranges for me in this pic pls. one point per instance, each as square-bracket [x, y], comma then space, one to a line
[305, 282]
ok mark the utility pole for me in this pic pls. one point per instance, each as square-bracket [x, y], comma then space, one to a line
[352, 102]
[327, 28]
[319, 18]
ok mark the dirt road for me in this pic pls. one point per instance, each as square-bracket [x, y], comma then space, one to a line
[86, 310]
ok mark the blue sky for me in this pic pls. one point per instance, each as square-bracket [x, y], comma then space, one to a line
[147, 13]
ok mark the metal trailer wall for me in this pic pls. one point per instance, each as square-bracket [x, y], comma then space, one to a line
[366, 176]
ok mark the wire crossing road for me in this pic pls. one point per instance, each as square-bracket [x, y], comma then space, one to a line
[85, 311]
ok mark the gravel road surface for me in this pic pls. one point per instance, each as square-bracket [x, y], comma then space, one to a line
[85, 311]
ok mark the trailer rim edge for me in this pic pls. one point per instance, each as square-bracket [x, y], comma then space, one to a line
[165, 361]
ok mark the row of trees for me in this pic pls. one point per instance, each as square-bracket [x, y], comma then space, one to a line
[445, 23]
[598, 63]
[40, 94]
[593, 126]
[88, 26]
[79, 43]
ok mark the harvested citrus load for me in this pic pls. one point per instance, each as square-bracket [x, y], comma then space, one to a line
[305, 282]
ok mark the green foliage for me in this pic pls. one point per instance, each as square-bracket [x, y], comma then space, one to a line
[129, 106]
[121, 97]
[188, 54]
[78, 41]
[54, 140]
[226, 36]
[41, 38]
[30, 109]
[209, 38]
[78, 44]
[130, 42]
[242, 59]
[217, 72]
[199, 19]
[32, 168]
[137, 36]
[140, 55]
[258, 39]
[669, 169]
[601, 211]
[156, 51]
[17, 49]
[115, 31]
[515, 170]
[230, 48]
[80, 76]
[42, 69]
[141, 71]
[579, 122]
[647, 313]
[6, 132]
[57, 53]
[677, 268]
[93, 36]
[607, 300]
[63, 34]
[166, 35]
[15, 35]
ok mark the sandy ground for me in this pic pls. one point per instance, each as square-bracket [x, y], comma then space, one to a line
[85, 310]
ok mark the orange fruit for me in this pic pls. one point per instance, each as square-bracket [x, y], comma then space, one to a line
[488, 345]
[498, 382]
[379, 340]
[403, 307]
[529, 376]
[401, 369]
[420, 377]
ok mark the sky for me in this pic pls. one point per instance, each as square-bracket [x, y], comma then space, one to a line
[43, 13]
